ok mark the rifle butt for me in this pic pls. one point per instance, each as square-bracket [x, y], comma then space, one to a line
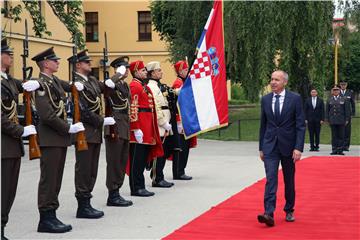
[34, 149]
[81, 143]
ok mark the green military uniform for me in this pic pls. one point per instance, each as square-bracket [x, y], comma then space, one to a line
[338, 114]
[117, 150]
[54, 138]
[11, 144]
[350, 96]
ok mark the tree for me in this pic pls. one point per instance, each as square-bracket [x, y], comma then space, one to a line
[69, 13]
[258, 35]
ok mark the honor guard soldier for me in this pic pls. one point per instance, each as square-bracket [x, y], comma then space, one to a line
[350, 96]
[54, 135]
[180, 160]
[11, 132]
[86, 166]
[117, 147]
[338, 115]
[145, 143]
[163, 119]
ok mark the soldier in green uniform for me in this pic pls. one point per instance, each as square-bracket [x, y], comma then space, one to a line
[11, 132]
[86, 166]
[349, 95]
[54, 135]
[338, 114]
[117, 147]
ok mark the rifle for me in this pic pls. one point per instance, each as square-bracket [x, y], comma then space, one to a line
[81, 143]
[108, 103]
[34, 150]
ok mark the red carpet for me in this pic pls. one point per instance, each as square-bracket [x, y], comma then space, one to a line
[327, 207]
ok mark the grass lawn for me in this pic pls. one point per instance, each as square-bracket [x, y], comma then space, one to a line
[248, 129]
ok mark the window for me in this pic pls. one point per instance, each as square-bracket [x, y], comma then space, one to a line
[95, 72]
[6, 9]
[144, 26]
[92, 27]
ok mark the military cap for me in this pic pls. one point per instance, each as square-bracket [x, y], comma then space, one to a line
[136, 65]
[48, 54]
[343, 83]
[153, 66]
[336, 88]
[180, 65]
[5, 47]
[120, 61]
[80, 57]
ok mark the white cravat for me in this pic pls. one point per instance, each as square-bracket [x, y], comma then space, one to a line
[281, 100]
[4, 75]
[314, 102]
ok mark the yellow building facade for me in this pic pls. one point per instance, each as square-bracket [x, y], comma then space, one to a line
[127, 24]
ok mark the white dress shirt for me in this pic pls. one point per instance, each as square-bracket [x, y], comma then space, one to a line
[281, 100]
[314, 102]
[83, 76]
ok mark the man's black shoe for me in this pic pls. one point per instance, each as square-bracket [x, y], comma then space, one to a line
[340, 153]
[289, 217]
[346, 149]
[49, 223]
[142, 193]
[312, 150]
[333, 153]
[118, 202]
[162, 184]
[267, 219]
[3, 233]
[85, 210]
[183, 177]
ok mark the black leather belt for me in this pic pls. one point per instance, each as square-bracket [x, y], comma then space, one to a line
[164, 107]
[123, 111]
[145, 110]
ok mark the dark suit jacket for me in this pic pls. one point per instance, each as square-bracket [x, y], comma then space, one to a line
[11, 143]
[311, 114]
[289, 134]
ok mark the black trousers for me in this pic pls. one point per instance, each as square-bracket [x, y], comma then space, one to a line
[138, 160]
[347, 136]
[180, 159]
[159, 164]
[337, 137]
[52, 164]
[314, 133]
[10, 168]
[86, 168]
[117, 153]
[271, 162]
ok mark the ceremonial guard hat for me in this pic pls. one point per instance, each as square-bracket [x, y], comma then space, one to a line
[136, 65]
[48, 54]
[5, 47]
[81, 57]
[120, 61]
[180, 65]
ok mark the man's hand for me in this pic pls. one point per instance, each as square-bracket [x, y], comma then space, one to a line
[31, 85]
[296, 155]
[306, 121]
[261, 155]
[138, 135]
[109, 83]
[79, 86]
[346, 123]
[321, 122]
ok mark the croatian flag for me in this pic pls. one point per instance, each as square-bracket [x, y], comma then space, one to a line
[203, 101]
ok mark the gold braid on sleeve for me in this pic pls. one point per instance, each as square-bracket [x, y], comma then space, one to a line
[134, 109]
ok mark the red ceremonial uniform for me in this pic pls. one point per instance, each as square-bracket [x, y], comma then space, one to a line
[143, 117]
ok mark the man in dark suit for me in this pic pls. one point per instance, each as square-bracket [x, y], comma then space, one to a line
[282, 133]
[314, 117]
[349, 96]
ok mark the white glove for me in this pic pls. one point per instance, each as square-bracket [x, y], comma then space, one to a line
[180, 127]
[121, 70]
[109, 121]
[29, 130]
[31, 85]
[177, 91]
[77, 127]
[138, 135]
[79, 86]
[109, 83]
[166, 126]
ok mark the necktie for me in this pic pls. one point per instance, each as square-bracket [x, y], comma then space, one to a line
[277, 108]
[314, 102]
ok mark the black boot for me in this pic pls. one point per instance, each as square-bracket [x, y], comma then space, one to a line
[2, 233]
[49, 223]
[85, 210]
[116, 200]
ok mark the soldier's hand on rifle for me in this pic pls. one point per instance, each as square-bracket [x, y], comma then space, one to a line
[31, 85]
[166, 126]
[109, 121]
[77, 127]
[109, 83]
[179, 127]
[121, 70]
[138, 135]
[79, 86]
[29, 130]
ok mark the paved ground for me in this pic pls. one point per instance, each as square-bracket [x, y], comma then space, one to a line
[219, 170]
